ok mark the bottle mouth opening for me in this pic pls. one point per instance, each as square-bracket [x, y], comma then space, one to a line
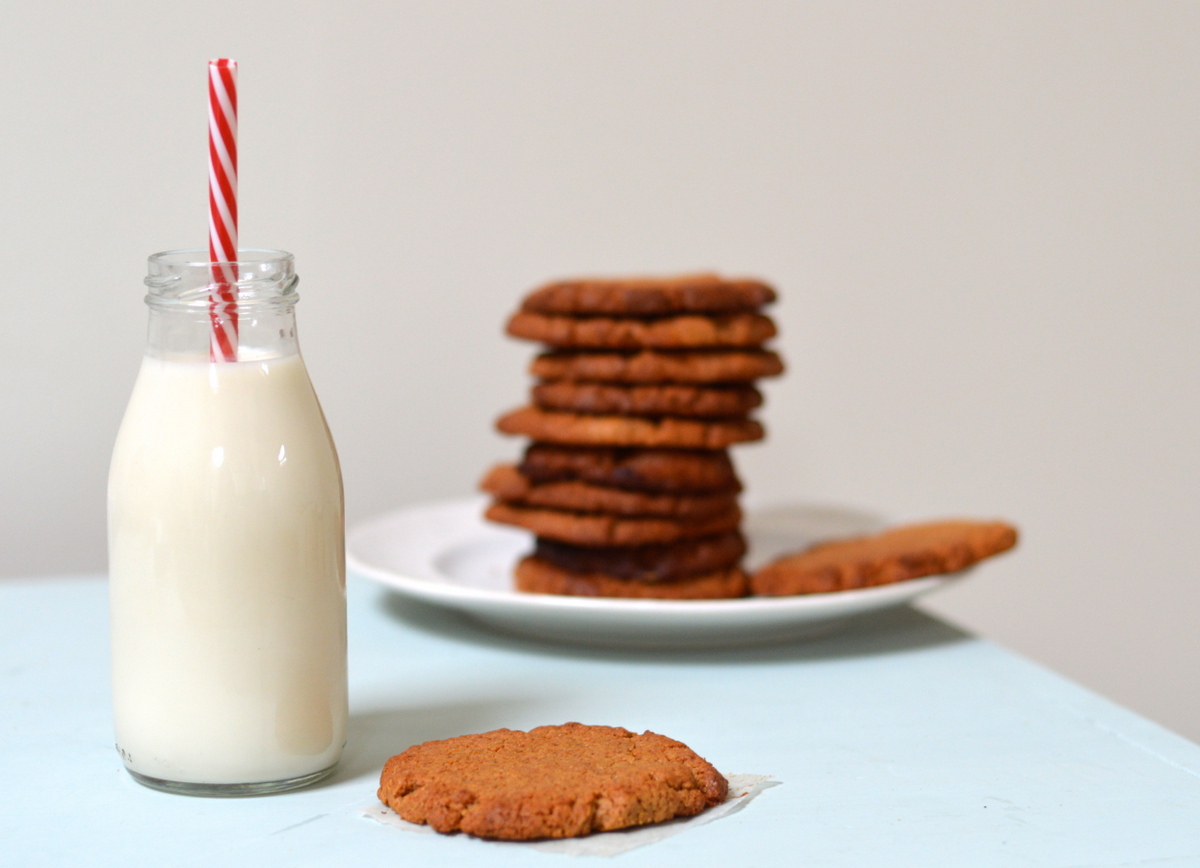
[189, 277]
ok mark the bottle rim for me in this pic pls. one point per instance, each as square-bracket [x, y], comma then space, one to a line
[187, 277]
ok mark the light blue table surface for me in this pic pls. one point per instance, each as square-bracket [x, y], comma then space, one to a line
[898, 740]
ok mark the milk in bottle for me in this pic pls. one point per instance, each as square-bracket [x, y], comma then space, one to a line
[226, 554]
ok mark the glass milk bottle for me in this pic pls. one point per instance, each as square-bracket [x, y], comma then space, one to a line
[226, 546]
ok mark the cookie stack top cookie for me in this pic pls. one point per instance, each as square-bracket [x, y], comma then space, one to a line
[641, 387]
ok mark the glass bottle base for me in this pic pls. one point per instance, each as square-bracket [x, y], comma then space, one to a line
[260, 788]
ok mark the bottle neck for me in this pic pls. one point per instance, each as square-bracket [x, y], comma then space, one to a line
[184, 332]
[189, 304]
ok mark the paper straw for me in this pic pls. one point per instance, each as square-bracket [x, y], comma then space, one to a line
[222, 208]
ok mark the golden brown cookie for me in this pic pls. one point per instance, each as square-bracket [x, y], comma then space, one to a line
[506, 482]
[658, 400]
[650, 563]
[581, 429]
[550, 782]
[537, 576]
[596, 529]
[665, 470]
[649, 296]
[658, 366]
[907, 552]
[632, 333]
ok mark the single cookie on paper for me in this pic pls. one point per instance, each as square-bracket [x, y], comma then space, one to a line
[537, 576]
[649, 296]
[704, 402]
[630, 333]
[550, 782]
[658, 470]
[902, 553]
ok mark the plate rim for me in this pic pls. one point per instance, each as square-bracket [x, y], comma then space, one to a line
[448, 593]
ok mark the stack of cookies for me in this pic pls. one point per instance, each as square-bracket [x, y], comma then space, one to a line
[643, 386]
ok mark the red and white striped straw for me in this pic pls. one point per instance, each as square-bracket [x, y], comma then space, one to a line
[222, 208]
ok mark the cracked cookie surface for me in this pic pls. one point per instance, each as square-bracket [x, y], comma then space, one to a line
[550, 782]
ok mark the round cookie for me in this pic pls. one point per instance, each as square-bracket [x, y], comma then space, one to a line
[649, 296]
[506, 483]
[536, 576]
[663, 470]
[658, 366]
[631, 333]
[895, 555]
[596, 529]
[650, 563]
[549, 782]
[704, 402]
[586, 430]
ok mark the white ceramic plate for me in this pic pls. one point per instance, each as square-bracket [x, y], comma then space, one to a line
[448, 555]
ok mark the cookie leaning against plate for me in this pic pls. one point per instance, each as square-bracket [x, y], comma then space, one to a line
[537, 576]
[506, 483]
[907, 552]
[673, 399]
[631, 333]
[658, 366]
[587, 430]
[661, 470]
[649, 296]
[550, 782]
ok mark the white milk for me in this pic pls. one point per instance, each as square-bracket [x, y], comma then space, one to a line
[227, 575]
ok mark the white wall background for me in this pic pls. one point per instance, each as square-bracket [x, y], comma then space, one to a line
[983, 219]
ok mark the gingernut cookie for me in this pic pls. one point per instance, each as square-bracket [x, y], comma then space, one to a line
[895, 555]
[537, 576]
[711, 402]
[658, 366]
[581, 429]
[506, 483]
[661, 470]
[649, 296]
[549, 782]
[597, 529]
[631, 333]
[649, 563]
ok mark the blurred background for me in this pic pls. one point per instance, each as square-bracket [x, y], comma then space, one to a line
[982, 219]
